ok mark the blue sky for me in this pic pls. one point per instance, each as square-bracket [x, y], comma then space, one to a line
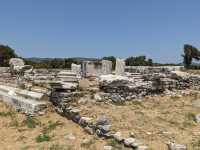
[96, 28]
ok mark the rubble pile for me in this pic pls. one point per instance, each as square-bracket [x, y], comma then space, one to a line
[121, 88]
[40, 76]
[117, 88]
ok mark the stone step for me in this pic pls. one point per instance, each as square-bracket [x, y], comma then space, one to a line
[66, 73]
[68, 79]
[26, 105]
[23, 93]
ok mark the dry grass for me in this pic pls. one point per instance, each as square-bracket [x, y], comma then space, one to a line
[155, 121]
[193, 71]
[17, 132]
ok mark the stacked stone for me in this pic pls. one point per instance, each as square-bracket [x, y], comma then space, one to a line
[4, 72]
[64, 89]
[119, 89]
[31, 103]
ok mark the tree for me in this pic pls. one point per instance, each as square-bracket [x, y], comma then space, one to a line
[111, 58]
[69, 61]
[150, 62]
[6, 53]
[138, 61]
[190, 52]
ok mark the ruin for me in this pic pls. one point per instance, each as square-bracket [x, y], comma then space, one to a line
[120, 67]
[96, 68]
[61, 88]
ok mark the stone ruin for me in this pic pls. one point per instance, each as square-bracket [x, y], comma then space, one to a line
[60, 87]
[120, 67]
[17, 66]
[96, 68]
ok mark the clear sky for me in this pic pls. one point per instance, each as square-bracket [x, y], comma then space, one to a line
[96, 28]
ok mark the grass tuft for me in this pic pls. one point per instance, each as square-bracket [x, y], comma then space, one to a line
[31, 122]
[43, 138]
[52, 126]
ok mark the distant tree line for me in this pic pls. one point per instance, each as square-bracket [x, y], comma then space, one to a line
[6, 53]
[139, 61]
[59, 63]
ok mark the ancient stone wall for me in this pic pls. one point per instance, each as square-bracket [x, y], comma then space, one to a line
[97, 68]
[152, 69]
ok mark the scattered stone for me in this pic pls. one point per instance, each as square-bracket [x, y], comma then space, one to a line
[86, 141]
[104, 128]
[70, 136]
[97, 97]
[197, 118]
[132, 134]
[89, 130]
[84, 121]
[102, 120]
[142, 148]
[129, 141]
[117, 136]
[107, 147]
[174, 146]
[136, 144]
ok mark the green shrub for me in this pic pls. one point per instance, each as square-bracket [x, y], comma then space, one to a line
[31, 122]
[43, 138]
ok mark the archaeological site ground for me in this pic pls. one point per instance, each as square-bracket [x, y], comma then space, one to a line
[94, 106]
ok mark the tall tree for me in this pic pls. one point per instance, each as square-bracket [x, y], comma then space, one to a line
[190, 52]
[5, 54]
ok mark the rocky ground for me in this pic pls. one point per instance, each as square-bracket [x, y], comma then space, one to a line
[154, 121]
[48, 132]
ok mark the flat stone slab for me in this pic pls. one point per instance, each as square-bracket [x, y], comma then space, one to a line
[196, 103]
[27, 106]
[28, 102]
[23, 93]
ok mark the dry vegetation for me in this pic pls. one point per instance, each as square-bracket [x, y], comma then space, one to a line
[155, 121]
[18, 132]
[193, 71]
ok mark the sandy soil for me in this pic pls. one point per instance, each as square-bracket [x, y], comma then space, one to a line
[17, 135]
